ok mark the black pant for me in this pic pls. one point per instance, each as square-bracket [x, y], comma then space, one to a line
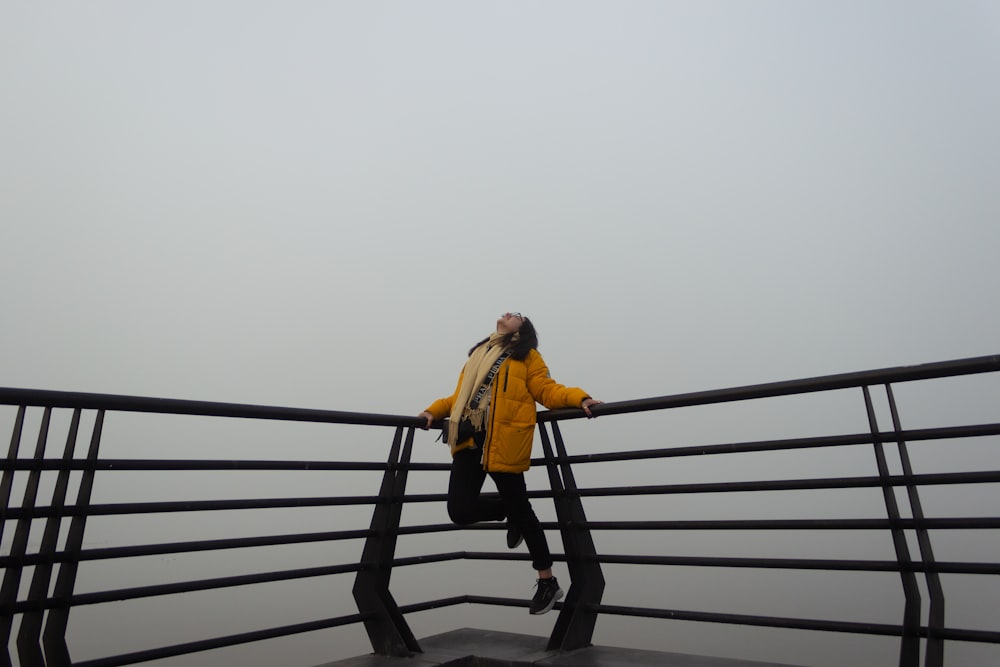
[465, 505]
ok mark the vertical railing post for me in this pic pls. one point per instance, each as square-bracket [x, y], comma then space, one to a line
[909, 651]
[29, 647]
[935, 644]
[384, 623]
[19, 546]
[7, 481]
[9, 597]
[575, 626]
[54, 635]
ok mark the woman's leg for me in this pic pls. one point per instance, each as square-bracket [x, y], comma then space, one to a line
[465, 505]
[514, 494]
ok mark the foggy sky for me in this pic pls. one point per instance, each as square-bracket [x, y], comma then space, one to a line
[325, 204]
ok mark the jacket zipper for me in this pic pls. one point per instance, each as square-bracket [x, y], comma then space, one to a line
[493, 405]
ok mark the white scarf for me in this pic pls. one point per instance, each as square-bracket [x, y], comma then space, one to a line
[478, 365]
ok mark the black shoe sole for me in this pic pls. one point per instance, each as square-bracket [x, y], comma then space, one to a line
[552, 603]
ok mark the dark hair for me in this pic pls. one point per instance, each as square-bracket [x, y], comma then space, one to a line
[527, 340]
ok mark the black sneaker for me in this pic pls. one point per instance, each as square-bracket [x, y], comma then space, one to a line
[546, 596]
[514, 535]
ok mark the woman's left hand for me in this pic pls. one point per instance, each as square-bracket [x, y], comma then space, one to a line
[587, 402]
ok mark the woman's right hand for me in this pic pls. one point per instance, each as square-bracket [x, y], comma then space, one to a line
[428, 417]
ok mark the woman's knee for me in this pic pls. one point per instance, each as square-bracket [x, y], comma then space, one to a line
[460, 514]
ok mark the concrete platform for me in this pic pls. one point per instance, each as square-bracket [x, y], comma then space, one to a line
[485, 648]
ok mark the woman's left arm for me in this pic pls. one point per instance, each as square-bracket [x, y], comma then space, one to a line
[550, 393]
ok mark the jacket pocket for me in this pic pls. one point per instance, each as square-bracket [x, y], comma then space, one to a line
[512, 446]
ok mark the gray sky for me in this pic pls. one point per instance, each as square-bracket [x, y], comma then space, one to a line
[325, 204]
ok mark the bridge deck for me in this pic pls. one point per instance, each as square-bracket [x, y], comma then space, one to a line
[485, 648]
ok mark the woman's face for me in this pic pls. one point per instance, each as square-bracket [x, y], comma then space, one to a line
[509, 323]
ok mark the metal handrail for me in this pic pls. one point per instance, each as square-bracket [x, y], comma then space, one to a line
[172, 406]
[892, 375]
[121, 403]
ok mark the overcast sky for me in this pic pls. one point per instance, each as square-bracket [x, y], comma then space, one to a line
[324, 204]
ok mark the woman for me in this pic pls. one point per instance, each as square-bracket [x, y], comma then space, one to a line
[491, 429]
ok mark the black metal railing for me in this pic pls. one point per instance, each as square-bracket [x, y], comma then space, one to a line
[40, 584]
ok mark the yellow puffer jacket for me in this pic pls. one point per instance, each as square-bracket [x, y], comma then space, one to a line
[510, 429]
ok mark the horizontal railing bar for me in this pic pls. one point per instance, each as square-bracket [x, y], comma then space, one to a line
[978, 477]
[505, 555]
[724, 448]
[804, 564]
[176, 588]
[119, 509]
[792, 524]
[429, 497]
[108, 465]
[502, 602]
[870, 481]
[90, 401]
[279, 540]
[221, 642]
[115, 509]
[852, 627]
[109, 553]
[950, 567]
[428, 558]
[441, 497]
[679, 525]
[114, 465]
[745, 619]
[734, 562]
[957, 634]
[434, 604]
[938, 479]
[970, 366]
[731, 524]
[984, 636]
[445, 527]
[425, 466]
[950, 432]
[448, 527]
